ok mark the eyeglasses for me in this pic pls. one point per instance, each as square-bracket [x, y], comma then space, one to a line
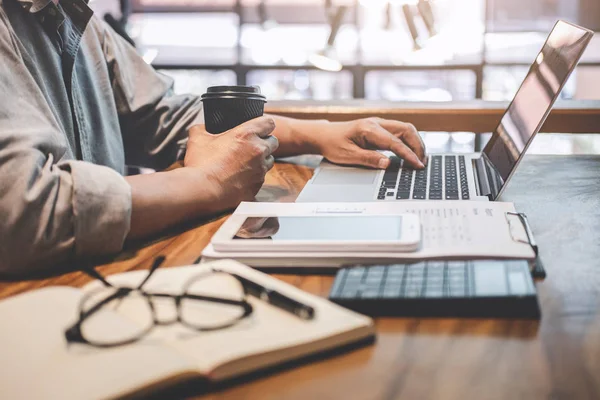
[210, 301]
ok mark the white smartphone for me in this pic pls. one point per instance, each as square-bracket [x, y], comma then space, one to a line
[328, 233]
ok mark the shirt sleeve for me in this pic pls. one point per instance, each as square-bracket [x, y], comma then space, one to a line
[53, 211]
[152, 118]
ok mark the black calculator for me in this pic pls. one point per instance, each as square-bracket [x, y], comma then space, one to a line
[478, 288]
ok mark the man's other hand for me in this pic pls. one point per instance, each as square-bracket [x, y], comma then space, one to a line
[235, 162]
[356, 142]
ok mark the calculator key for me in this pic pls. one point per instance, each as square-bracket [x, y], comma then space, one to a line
[356, 272]
[375, 269]
[413, 277]
[436, 264]
[395, 269]
[415, 270]
[370, 293]
[434, 293]
[412, 287]
[455, 264]
[459, 275]
[337, 284]
[453, 281]
[391, 292]
[456, 292]
[349, 293]
[460, 288]
[373, 281]
[518, 283]
[435, 282]
[490, 279]
[393, 280]
[374, 275]
[414, 280]
[435, 272]
[412, 292]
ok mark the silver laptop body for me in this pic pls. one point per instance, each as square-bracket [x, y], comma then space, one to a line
[477, 176]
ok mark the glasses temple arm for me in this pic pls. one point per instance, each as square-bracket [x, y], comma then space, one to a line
[96, 275]
[157, 263]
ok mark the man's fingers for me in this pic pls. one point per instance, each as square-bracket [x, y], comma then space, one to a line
[384, 140]
[272, 143]
[371, 159]
[409, 135]
[261, 127]
[269, 162]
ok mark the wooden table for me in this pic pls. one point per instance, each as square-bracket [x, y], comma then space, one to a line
[558, 357]
[479, 116]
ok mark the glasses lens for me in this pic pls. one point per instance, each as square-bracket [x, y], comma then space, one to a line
[118, 319]
[206, 314]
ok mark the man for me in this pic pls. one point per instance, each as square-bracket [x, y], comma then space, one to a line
[78, 103]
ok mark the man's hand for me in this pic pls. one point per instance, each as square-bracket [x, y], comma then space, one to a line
[356, 142]
[234, 162]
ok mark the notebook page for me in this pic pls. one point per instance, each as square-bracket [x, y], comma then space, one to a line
[269, 336]
[450, 229]
[38, 363]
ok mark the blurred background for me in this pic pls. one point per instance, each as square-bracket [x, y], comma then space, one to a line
[394, 50]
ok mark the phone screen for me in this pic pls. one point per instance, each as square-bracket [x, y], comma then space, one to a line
[322, 228]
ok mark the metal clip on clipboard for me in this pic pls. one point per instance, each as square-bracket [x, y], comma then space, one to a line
[537, 270]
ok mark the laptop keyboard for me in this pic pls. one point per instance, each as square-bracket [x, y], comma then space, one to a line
[407, 183]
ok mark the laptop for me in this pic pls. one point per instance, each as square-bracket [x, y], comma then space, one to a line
[478, 176]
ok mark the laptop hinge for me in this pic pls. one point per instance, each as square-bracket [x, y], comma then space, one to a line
[481, 178]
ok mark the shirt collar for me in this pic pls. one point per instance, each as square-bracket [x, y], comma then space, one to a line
[34, 6]
[50, 15]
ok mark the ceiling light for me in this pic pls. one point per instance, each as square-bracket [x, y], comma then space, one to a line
[409, 17]
[325, 59]
[265, 21]
[426, 11]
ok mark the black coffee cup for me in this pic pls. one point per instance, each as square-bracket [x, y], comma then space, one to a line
[226, 107]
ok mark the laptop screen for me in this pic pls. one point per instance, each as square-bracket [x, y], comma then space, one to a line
[534, 99]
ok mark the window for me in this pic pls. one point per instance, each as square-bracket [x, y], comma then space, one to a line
[186, 38]
[197, 81]
[302, 84]
[435, 85]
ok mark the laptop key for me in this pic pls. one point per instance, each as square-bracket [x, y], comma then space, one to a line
[403, 195]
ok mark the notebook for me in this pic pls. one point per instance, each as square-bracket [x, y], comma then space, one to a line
[450, 230]
[38, 363]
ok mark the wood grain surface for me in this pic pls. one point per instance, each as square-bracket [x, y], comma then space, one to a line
[555, 358]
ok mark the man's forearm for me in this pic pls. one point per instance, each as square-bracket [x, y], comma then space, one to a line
[164, 199]
[298, 136]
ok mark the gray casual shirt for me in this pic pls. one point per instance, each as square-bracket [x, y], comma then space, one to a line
[77, 103]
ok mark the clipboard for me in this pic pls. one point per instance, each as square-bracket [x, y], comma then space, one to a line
[537, 267]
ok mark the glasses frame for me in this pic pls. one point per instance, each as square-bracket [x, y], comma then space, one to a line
[74, 333]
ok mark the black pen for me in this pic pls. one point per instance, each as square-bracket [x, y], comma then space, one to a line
[277, 299]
